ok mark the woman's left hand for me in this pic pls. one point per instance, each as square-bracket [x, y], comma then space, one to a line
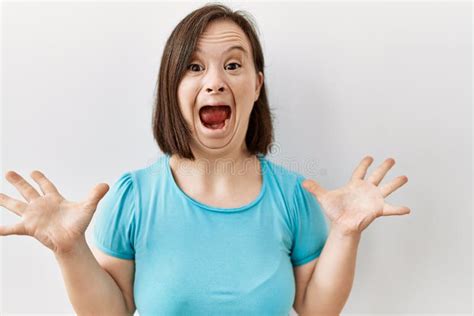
[355, 205]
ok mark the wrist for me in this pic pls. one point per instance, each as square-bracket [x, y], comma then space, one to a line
[77, 248]
[343, 232]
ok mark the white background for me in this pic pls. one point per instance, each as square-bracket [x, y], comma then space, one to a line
[344, 79]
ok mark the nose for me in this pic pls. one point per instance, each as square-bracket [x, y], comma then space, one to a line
[221, 89]
[215, 82]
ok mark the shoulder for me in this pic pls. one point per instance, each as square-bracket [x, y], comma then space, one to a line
[284, 176]
[147, 175]
[146, 183]
[129, 185]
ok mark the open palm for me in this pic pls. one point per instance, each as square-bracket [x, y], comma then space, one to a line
[355, 205]
[50, 218]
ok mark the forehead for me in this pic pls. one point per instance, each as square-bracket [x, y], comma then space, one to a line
[224, 36]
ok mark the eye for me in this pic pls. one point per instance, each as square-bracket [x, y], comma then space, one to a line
[191, 66]
[235, 64]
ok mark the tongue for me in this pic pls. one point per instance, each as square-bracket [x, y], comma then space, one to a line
[214, 114]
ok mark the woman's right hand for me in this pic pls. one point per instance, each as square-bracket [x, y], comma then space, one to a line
[54, 221]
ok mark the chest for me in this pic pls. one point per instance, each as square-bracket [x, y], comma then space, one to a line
[240, 194]
[233, 198]
[215, 264]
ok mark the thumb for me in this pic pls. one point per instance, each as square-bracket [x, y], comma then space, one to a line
[314, 188]
[95, 195]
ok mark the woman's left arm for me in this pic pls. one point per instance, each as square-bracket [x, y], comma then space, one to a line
[350, 210]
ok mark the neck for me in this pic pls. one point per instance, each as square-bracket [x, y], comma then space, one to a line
[222, 181]
[233, 165]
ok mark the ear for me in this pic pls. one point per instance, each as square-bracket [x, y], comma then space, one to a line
[258, 85]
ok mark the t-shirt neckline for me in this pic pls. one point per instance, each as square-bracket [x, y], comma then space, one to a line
[175, 186]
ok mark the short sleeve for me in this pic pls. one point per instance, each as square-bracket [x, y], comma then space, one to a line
[114, 225]
[310, 230]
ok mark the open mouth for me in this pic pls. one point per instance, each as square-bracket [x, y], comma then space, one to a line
[215, 117]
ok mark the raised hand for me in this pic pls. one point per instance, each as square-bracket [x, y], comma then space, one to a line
[355, 205]
[54, 221]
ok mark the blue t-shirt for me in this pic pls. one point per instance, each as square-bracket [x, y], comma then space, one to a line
[196, 259]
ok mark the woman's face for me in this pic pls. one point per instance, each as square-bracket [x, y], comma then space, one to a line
[219, 74]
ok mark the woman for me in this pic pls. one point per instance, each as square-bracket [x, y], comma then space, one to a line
[212, 227]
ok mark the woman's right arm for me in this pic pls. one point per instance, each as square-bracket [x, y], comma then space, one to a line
[91, 289]
[60, 225]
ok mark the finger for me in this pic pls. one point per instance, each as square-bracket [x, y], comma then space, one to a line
[14, 205]
[16, 229]
[95, 195]
[381, 171]
[395, 210]
[44, 183]
[25, 189]
[314, 188]
[388, 188]
[360, 171]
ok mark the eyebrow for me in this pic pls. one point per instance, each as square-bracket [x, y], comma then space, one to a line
[229, 49]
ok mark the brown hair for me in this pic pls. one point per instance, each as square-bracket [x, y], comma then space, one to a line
[170, 129]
